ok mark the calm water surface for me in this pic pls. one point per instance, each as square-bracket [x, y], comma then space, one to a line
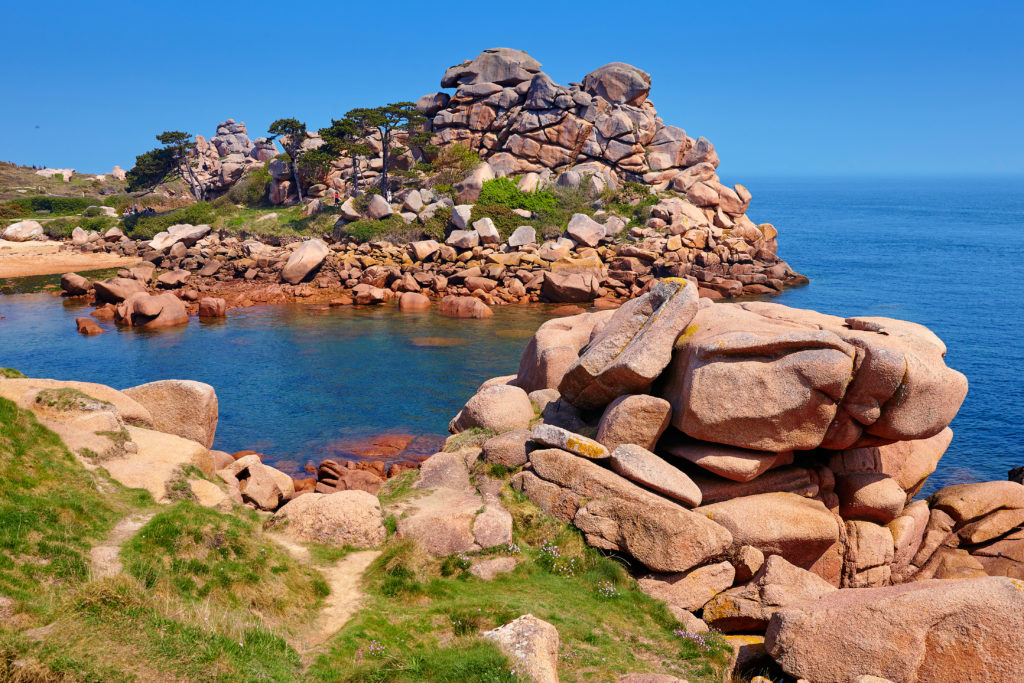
[295, 383]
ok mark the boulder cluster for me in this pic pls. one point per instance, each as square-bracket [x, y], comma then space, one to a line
[221, 161]
[759, 465]
[510, 111]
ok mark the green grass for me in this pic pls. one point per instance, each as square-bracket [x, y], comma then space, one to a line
[398, 489]
[424, 616]
[67, 399]
[474, 436]
[196, 553]
[11, 373]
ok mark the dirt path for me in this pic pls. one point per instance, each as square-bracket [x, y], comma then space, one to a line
[106, 560]
[344, 578]
[22, 259]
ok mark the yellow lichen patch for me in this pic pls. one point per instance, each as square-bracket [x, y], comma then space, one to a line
[586, 448]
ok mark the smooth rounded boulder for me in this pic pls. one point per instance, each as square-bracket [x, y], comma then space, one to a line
[500, 408]
[23, 231]
[305, 261]
[464, 307]
[74, 284]
[936, 631]
[180, 406]
[767, 377]
[344, 518]
[144, 311]
[618, 83]
[117, 289]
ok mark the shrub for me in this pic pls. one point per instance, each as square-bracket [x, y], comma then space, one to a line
[504, 192]
[145, 227]
[12, 210]
[505, 219]
[57, 206]
[436, 227]
[452, 164]
[369, 230]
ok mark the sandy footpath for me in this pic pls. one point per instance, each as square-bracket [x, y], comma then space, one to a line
[21, 259]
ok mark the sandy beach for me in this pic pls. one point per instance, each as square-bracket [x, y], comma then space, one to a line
[22, 259]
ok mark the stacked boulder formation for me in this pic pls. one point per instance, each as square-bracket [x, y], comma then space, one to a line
[222, 160]
[754, 460]
[517, 118]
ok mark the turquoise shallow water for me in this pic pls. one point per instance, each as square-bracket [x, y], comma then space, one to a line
[300, 384]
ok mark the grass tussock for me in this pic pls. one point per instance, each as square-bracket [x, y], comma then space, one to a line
[424, 617]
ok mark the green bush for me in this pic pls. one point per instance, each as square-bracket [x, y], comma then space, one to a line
[452, 164]
[368, 230]
[504, 192]
[436, 227]
[11, 210]
[57, 206]
[145, 227]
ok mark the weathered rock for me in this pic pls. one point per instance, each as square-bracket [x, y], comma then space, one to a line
[638, 419]
[305, 261]
[869, 496]
[736, 464]
[618, 83]
[488, 569]
[117, 289]
[522, 236]
[570, 287]
[488, 233]
[532, 644]
[442, 522]
[499, 408]
[74, 284]
[633, 348]
[158, 461]
[767, 377]
[936, 631]
[801, 530]
[180, 406]
[413, 301]
[88, 326]
[585, 230]
[212, 307]
[909, 463]
[554, 348]
[464, 307]
[640, 465]
[966, 502]
[869, 554]
[557, 437]
[616, 514]
[344, 518]
[142, 310]
[501, 65]
[777, 584]
[509, 449]
[689, 590]
[23, 231]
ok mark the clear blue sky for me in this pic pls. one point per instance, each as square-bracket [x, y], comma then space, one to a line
[780, 88]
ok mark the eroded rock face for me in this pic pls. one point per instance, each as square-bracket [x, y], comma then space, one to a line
[767, 377]
[180, 406]
[633, 348]
[938, 631]
[305, 261]
[344, 518]
[146, 311]
[618, 83]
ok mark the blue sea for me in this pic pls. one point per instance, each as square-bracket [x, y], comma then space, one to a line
[301, 384]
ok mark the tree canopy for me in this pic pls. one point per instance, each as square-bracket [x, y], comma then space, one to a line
[160, 164]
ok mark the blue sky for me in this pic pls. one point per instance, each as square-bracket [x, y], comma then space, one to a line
[780, 88]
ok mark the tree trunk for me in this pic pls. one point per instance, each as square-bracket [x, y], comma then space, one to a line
[355, 176]
[198, 191]
[295, 175]
[385, 149]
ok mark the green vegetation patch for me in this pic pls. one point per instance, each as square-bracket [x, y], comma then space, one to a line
[51, 510]
[11, 373]
[424, 616]
[474, 436]
[146, 227]
[67, 399]
[195, 553]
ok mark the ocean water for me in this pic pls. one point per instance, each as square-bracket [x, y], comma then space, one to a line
[301, 384]
[946, 253]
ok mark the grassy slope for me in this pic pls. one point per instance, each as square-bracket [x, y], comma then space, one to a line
[206, 596]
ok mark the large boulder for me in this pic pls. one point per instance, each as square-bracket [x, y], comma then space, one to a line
[936, 631]
[23, 231]
[909, 463]
[180, 406]
[500, 65]
[500, 408]
[117, 289]
[776, 584]
[801, 530]
[618, 83]
[647, 469]
[343, 518]
[616, 514]
[158, 461]
[766, 377]
[554, 348]
[532, 644]
[585, 230]
[146, 311]
[633, 348]
[464, 307]
[74, 284]
[305, 261]
[638, 419]
[570, 287]
[690, 590]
